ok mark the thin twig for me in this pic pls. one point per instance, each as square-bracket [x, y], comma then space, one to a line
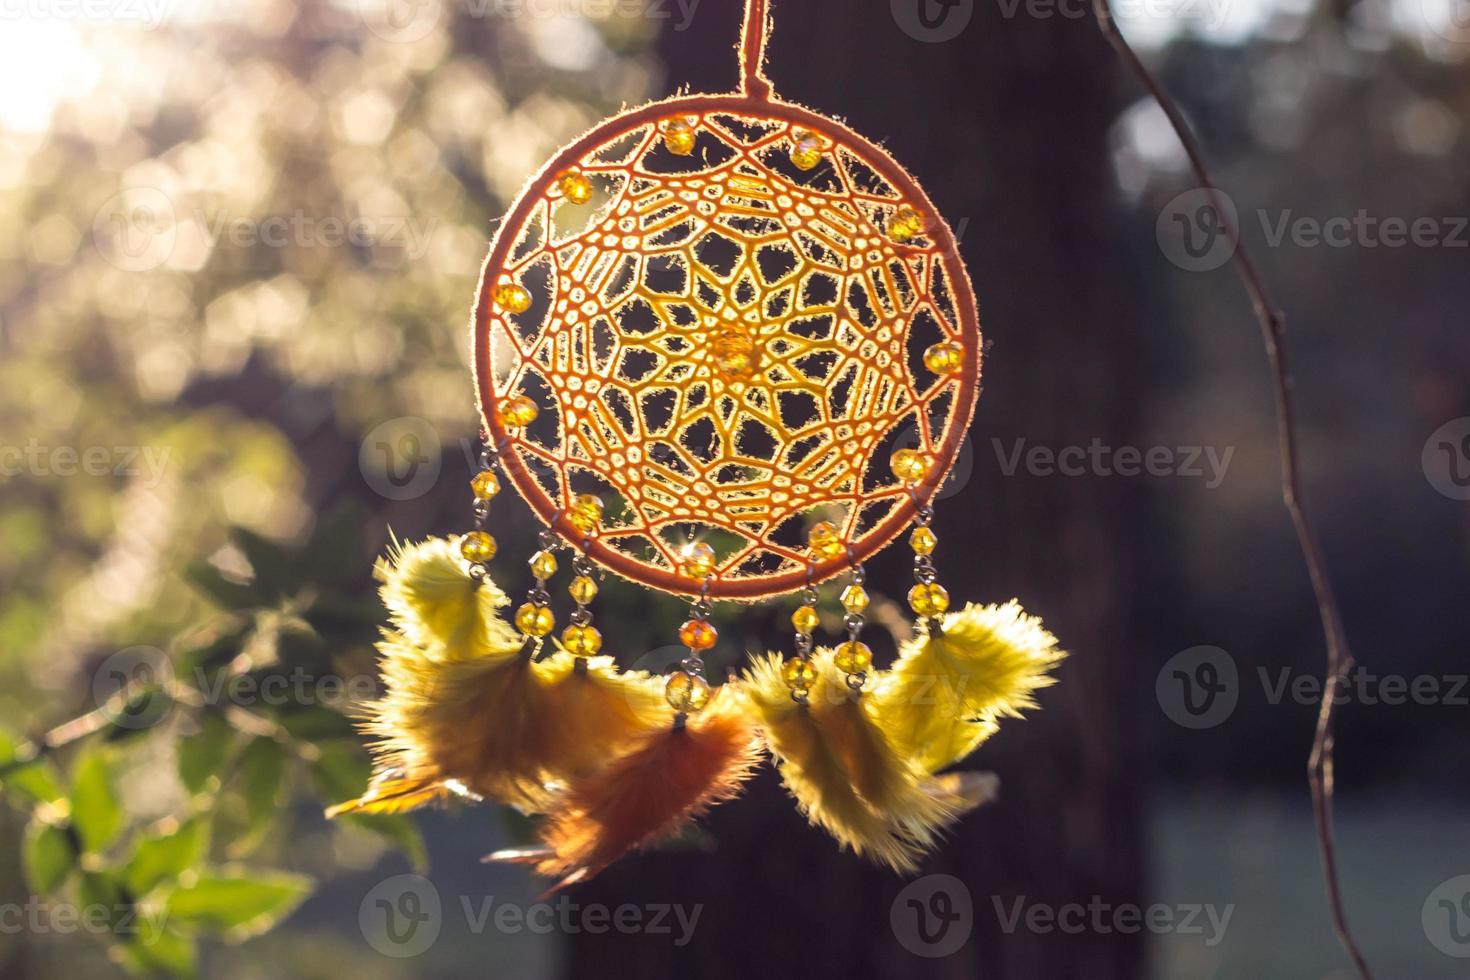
[1339, 657]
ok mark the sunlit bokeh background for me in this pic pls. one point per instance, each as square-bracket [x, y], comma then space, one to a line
[238, 244]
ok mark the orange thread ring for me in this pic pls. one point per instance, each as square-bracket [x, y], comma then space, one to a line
[944, 250]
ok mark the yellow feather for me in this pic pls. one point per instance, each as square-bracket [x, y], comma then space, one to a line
[845, 776]
[465, 705]
[939, 700]
[435, 603]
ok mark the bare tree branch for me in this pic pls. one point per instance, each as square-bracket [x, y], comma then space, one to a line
[1339, 657]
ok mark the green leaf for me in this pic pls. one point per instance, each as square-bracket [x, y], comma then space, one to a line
[398, 830]
[49, 854]
[268, 559]
[161, 951]
[263, 776]
[201, 756]
[96, 812]
[315, 723]
[36, 781]
[100, 891]
[238, 904]
[160, 859]
[223, 592]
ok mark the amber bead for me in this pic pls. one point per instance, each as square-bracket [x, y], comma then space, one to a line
[582, 589]
[574, 186]
[923, 541]
[534, 620]
[928, 600]
[686, 692]
[581, 641]
[854, 599]
[805, 619]
[944, 358]
[543, 564]
[512, 297]
[905, 224]
[518, 411]
[909, 465]
[697, 559]
[485, 485]
[698, 634]
[799, 674]
[853, 657]
[679, 137]
[477, 546]
[586, 513]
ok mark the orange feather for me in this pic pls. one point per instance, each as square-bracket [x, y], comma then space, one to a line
[670, 776]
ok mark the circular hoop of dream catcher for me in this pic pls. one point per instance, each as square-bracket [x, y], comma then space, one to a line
[723, 315]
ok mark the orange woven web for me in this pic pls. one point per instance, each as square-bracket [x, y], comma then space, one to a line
[640, 296]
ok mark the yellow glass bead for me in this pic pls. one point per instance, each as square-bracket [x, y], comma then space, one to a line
[534, 620]
[734, 355]
[909, 465]
[582, 589]
[799, 674]
[485, 485]
[905, 224]
[824, 540]
[696, 559]
[512, 297]
[944, 358]
[928, 600]
[519, 411]
[805, 619]
[581, 641]
[923, 541]
[586, 513]
[698, 634]
[574, 186]
[477, 546]
[854, 599]
[852, 657]
[686, 692]
[543, 564]
[806, 150]
[679, 137]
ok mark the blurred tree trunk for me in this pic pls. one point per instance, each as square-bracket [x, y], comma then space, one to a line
[1007, 127]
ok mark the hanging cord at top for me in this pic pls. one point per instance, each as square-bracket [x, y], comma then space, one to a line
[753, 80]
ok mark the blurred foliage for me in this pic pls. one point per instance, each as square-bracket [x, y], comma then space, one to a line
[229, 247]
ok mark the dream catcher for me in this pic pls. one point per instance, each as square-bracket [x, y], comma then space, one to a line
[726, 349]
